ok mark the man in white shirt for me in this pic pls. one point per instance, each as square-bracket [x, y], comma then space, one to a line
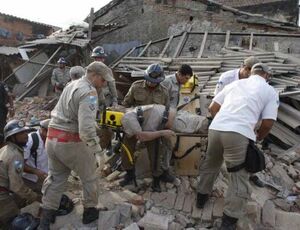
[236, 74]
[36, 158]
[236, 111]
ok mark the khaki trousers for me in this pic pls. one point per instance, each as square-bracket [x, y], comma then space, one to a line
[64, 157]
[230, 147]
[156, 168]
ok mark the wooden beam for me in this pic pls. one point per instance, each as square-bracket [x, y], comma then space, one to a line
[182, 42]
[202, 44]
[145, 48]
[251, 41]
[227, 38]
[91, 22]
[166, 47]
[116, 62]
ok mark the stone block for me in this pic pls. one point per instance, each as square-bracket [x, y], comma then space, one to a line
[179, 201]
[268, 214]
[188, 203]
[207, 211]
[108, 220]
[125, 210]
[218, 208]
[175, 226]
[133, 226]
[153, 221]
[287, 220]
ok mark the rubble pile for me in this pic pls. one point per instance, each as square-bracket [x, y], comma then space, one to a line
[33, 109]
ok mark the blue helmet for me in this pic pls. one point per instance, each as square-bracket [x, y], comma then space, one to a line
[13, 127]
[62, 61]
[154, 73]
[98, 52]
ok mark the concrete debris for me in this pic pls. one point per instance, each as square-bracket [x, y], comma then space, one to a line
[153, 221]
[108, 220]
[133, 226]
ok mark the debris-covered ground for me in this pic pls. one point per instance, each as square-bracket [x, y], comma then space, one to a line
[274, 206]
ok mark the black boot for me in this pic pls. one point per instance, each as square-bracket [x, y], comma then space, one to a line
[129, 178]
[255, 180]
[201, 200]
[89, 215]
[156, 184]
[228, 222]
[48, 216]
[167, 177]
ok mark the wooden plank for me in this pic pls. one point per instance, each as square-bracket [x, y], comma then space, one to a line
[251, 41]
[145, 48]
[203, 44]
[166, 47]
[180, 44]
[91, 22]
[227, 38]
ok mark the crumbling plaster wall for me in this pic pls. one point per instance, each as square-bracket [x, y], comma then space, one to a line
[156, 19]
[281, 10]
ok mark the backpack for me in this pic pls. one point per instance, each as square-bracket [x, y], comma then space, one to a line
[34, 147]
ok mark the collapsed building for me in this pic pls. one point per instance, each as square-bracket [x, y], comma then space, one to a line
[212, 38]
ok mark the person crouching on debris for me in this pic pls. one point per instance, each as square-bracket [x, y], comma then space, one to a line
[236, 74]
[72, 144]
[60, 76]
[236, 111]
[148, 124]
[36, 158]
[11, 168]
[76, 72]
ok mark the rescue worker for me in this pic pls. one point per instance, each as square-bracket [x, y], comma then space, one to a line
[236, 111]
[150, 130]
[236, 74]
[6, 97]
[76, 72]
[173, 83]
[108, 94]
[145, 92]
[72, 144]
[36, 158]
[60, 76]
[12, 187]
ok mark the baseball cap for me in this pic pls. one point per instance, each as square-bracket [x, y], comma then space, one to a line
[262, 67]
[250, 61]
[101, 69]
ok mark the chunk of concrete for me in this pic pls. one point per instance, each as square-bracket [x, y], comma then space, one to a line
[125, 211]
[33, 209]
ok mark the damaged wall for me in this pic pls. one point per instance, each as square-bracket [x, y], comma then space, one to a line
[14, 31]
[155, 19]
[286, 10]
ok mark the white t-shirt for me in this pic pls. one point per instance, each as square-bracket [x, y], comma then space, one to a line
[226, 78]
[243, 103]
[42, 157]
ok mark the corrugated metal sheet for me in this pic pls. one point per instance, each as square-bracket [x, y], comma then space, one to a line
[5, 50]
[61, 40]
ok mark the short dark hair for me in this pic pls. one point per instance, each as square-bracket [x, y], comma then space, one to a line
[185, 70]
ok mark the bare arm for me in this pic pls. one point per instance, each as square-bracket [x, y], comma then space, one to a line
[214, 108]
[152, 135]
[40, 174]
[264, 129]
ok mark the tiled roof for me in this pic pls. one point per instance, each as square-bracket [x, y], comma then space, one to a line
[242, 3]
